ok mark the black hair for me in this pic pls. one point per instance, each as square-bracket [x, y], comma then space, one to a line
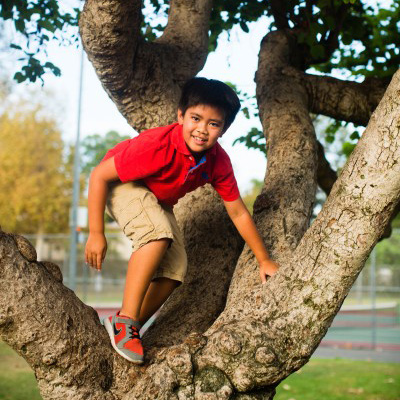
[212, 93]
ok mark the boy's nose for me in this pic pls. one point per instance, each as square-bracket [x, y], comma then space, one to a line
[202, 129]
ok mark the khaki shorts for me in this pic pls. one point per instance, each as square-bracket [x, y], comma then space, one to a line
[143, 219]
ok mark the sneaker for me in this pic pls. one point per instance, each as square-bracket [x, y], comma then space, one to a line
[124, 335]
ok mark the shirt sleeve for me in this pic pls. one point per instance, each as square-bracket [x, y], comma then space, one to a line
[224, 181]
[142, 157]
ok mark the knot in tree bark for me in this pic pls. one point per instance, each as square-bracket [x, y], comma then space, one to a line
[229, 343]
[264, 355]
[180, 361]
[212, 384]
[195, 341]
[53, 269]
[242, 378]
[5, 320]
[49, 359]
[25, 248]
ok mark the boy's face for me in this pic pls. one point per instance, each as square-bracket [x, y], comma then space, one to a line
[202, 126]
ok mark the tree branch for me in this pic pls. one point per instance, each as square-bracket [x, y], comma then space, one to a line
[110, 32]
[331, 43]
[326, 176]
[290, 315]
[51, 328]
[186, 35]
[278, 11]
[342, 100]
[144, 78]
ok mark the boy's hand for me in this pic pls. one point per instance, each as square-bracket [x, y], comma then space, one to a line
[267, 267]
[95, 250]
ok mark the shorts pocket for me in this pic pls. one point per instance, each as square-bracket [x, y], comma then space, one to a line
[134, 221]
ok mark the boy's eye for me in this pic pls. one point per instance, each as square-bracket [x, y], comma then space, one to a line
[215, 125]
[195, 118]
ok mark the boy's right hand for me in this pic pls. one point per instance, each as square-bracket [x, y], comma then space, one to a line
[95, 250]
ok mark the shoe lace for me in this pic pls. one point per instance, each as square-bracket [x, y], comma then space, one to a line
[133, 332]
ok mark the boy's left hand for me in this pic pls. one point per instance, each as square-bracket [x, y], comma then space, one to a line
[267, 267]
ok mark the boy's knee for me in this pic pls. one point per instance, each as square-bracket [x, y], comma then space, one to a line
[172, 283]
[166, 241]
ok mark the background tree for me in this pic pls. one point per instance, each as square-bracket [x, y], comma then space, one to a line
[249, 339]
[35, 178]
[95, 147]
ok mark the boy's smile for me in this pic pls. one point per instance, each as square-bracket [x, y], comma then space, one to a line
[202, 125]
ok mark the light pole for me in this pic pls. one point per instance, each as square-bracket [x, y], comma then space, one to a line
[75, 193]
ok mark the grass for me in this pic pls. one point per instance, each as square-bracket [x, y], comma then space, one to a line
[342, 379]
[17, 381]
[337, 379]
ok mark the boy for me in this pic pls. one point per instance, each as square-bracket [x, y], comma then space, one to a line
[141, 179]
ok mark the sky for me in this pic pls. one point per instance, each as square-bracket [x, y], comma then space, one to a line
[235, 61]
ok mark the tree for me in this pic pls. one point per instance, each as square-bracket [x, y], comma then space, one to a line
[95, 148]
[232, 337]
[250, 197]
[35, 179]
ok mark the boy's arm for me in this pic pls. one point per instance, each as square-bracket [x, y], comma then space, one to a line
[244, 223]
[96, 246]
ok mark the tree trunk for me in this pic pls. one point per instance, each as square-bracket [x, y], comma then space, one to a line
[265, 332]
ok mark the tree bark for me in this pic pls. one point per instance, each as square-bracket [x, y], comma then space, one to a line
[342, 100]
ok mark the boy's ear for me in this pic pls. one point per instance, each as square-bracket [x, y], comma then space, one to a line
[180, 116]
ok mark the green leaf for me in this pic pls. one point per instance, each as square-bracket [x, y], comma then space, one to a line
[246, 113]
[244, 26]
[348, 148]
[317, 51]
[14, 46]
[19, 24]
[330, 139]
[346, 39]
[330, 21]
[19, 77]
[355, 136]
[46, 24]
[301, 37]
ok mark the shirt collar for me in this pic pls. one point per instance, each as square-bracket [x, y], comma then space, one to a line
[179, 142]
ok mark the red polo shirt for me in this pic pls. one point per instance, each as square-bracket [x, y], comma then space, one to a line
[160, 158]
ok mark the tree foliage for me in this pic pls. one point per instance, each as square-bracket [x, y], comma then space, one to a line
[35, 178]
[35, 23]
[355, 38]
[94, 148]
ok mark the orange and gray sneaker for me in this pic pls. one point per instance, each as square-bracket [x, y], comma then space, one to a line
[124, 335]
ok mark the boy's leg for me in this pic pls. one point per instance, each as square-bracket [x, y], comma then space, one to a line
[157, 294]
[142, 265]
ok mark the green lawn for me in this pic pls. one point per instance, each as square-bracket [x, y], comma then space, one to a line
[320, 379]
[342, 379]
[17, 381]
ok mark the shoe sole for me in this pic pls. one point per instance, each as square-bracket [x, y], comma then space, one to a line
[109, 329]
